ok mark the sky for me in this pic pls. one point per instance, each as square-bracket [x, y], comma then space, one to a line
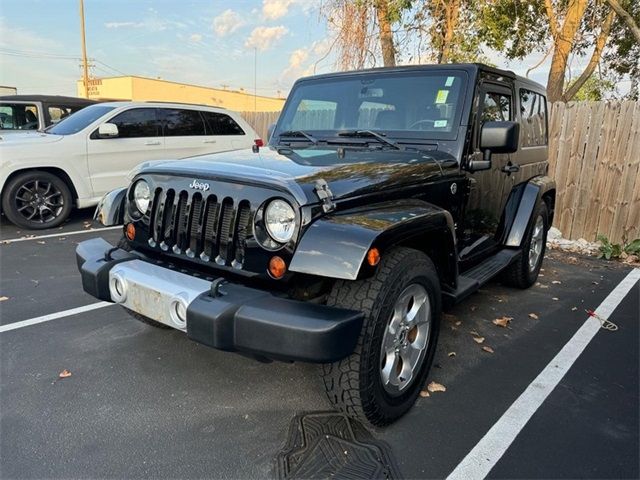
[204, 42]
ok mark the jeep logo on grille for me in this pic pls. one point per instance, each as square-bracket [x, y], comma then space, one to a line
[199, 186]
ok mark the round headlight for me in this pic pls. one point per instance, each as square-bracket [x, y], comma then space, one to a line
[280, 220]
[141, 196]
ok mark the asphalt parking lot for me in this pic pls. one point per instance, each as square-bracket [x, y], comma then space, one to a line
[144, 402]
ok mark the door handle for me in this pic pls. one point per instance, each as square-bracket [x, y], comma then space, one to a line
[152, 142]
[511, 168]
[209, 141]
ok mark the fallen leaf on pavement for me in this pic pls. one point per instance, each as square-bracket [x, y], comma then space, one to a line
[64, 373]
[449, 318]
[487, 349]
[574, 309]
[436, 387]
[556, 282]
[503, 321]
[424, 394]
[458, 323]
[451, 354]
[555, 298]
[534, 316]
[478, 339]
[474, 333]
[2, 299]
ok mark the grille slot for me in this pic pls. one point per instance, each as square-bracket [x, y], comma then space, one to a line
[200, 226]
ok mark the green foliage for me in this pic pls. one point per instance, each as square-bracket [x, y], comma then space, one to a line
[610, 250]
[633, 248]
[594, 89]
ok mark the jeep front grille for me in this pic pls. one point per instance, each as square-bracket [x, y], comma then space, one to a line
[200, 226]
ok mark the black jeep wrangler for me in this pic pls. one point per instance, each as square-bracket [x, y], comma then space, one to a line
[382, 195]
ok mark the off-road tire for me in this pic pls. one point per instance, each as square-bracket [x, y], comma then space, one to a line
[353, 385]
[518, 274]
[10, 204]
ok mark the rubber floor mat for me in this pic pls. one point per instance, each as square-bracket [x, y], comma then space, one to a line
[332, 445]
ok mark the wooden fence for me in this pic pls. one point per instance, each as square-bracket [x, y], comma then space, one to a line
[594, 156]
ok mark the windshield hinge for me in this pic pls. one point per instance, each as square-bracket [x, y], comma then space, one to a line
[325, 195]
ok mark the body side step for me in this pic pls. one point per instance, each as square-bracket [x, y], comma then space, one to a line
[477, 276]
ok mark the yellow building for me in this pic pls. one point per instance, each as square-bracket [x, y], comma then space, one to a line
[141, 89]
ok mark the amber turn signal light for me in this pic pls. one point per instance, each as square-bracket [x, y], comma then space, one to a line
[130, 231]
[373, 257]
[277, 267]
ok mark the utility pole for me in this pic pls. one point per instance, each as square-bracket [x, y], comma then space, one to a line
[255, 79]
[85, 65]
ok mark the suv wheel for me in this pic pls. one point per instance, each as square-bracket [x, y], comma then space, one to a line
[37, 200]
[381, 379]
[524, 272]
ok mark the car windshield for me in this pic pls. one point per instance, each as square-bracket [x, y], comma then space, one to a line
[407, 105]
[79, 120]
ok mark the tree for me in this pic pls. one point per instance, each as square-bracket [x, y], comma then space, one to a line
[573, 28]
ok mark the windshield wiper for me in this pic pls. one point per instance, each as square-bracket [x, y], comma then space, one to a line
[370, 134]
[299, 133]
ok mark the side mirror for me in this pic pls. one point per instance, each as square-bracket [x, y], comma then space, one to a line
[499, 137]
[496, 137]
[108, 130]
[270, 130]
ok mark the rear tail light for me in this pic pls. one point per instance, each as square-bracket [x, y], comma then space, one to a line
[258, 142]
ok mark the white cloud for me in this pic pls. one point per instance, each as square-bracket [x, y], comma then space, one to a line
[195, 37]
[303, 61]
[263, 38]
[124, 24]
[274, 9]
[227, 22]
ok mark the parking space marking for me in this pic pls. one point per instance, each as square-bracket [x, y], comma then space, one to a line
[53, 316]
[61, 234]
[483, 457]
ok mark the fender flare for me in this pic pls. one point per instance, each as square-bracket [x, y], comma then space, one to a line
[110, 209]
[335, 246]
[520, 207]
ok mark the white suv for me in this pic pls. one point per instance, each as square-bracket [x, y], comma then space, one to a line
[90, 153]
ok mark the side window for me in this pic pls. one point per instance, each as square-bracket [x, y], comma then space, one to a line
[58, 113]
[182, 122]
[18, 116]
[533, 115]
[221, 124]
[137, 122]
[496, 107]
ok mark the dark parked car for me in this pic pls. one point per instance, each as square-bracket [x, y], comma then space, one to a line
[19, 113]
[382, 195]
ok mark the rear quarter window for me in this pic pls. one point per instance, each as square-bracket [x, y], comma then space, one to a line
[221, 124]
[533, 119]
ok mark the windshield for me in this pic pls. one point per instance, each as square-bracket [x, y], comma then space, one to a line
[408, 105]
[79, 120]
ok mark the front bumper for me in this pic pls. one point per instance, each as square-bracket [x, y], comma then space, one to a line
[222, 315]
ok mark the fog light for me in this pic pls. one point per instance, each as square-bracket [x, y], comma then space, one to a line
[277, 267]
[130, 231]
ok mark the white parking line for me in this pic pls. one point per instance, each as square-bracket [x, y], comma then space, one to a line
[483, 457]
[53, 316]
[61, 234]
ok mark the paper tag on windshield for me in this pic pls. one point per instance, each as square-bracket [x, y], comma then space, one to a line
[440, 123]
[449, 81]
[442, 96]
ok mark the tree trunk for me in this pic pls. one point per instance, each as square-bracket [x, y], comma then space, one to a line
[593, 61]
[386, 35]
[451, 14]
[626, 18]
[562, 48]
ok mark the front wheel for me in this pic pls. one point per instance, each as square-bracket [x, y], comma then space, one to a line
[380, 381]
[37, 200]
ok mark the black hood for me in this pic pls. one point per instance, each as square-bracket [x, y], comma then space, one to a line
[348, 172]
